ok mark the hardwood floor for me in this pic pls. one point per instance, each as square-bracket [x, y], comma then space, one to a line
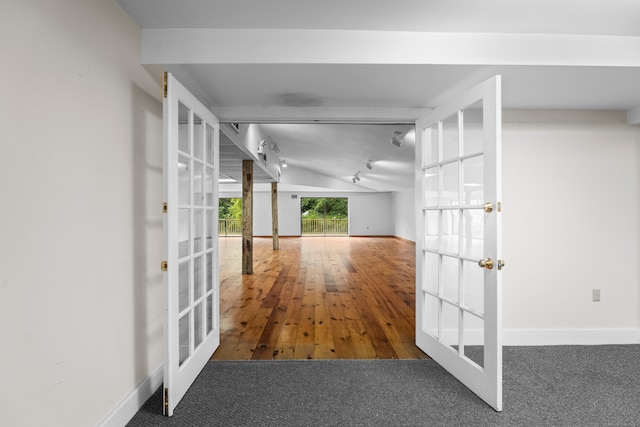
[318, 298]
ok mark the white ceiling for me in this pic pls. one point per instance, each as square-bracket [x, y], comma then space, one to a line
[385, 62]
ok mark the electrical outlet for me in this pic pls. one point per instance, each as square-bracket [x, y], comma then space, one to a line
[595, 293]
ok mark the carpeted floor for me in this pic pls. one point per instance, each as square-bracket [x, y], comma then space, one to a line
[543, 386]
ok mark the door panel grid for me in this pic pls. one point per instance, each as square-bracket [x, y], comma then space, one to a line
[458, 313]
[191, 281]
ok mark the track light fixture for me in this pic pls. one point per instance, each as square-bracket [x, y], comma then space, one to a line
[369, 165]
[283, 163]
[395, 139]
[356, 177]
[261, 154]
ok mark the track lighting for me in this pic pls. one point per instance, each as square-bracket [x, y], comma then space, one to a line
[261, 145]
[369, 165]
[395, 139]
[283, 163]
[356, 177]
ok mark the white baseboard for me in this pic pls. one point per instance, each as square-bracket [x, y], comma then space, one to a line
[532, 337]
[131, 404]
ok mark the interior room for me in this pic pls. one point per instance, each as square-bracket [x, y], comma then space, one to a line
[81, 172]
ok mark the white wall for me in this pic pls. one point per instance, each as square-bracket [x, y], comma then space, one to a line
[571, 224]
[369, 213]
[403, 213]
[81, 231]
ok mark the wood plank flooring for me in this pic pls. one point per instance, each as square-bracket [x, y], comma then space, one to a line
[318, 298]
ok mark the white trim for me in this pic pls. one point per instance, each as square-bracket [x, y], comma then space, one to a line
[131, 404]
[325, 114]
[312, 46]
[533, 337]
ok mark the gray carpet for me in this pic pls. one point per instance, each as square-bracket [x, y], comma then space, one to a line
[543, 386]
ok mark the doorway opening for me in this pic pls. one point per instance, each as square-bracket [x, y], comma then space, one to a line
[229, 217]
[324, 216]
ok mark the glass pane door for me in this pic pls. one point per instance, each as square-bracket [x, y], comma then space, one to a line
[458, 285]
[191, 279]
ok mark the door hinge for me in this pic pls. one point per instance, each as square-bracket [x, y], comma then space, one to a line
[166, 401]
[165, 85]
[499, 206]
[165, 207]
[164, 266]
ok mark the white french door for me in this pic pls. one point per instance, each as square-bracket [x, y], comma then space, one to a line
[191, 326]
[458, 238]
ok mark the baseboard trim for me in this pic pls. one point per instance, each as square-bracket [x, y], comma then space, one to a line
[374, 235]
[131, 404]
[535, 337]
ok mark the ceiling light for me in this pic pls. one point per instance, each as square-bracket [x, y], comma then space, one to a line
[395, 139]
[356, 177]
[369, 165]
[283, 163]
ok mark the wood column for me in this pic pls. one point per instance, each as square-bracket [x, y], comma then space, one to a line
[274, 215]
[247, 217]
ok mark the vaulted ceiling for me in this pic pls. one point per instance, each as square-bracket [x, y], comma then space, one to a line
[362, 61]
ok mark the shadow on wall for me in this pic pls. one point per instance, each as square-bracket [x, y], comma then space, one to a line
[147, 236]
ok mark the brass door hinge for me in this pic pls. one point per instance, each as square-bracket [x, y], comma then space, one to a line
[165, 207]
[165, 85]
[499, 206]
[164, 266]
[166, 401]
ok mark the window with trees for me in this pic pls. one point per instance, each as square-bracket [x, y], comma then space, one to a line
[230, 217]
[324, 216]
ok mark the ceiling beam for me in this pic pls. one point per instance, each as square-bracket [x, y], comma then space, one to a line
[299, 46]
[280, 114]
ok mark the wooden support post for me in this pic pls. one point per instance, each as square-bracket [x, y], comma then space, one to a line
[247, 217]
[274, 215]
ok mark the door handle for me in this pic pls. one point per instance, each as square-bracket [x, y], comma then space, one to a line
[486, 263]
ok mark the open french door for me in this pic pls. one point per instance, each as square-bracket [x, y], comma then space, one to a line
[459, 238]
[191, 279]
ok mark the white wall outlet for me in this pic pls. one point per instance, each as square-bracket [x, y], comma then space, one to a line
[595, 294]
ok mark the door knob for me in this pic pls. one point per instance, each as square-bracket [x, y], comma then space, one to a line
[486, 263]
